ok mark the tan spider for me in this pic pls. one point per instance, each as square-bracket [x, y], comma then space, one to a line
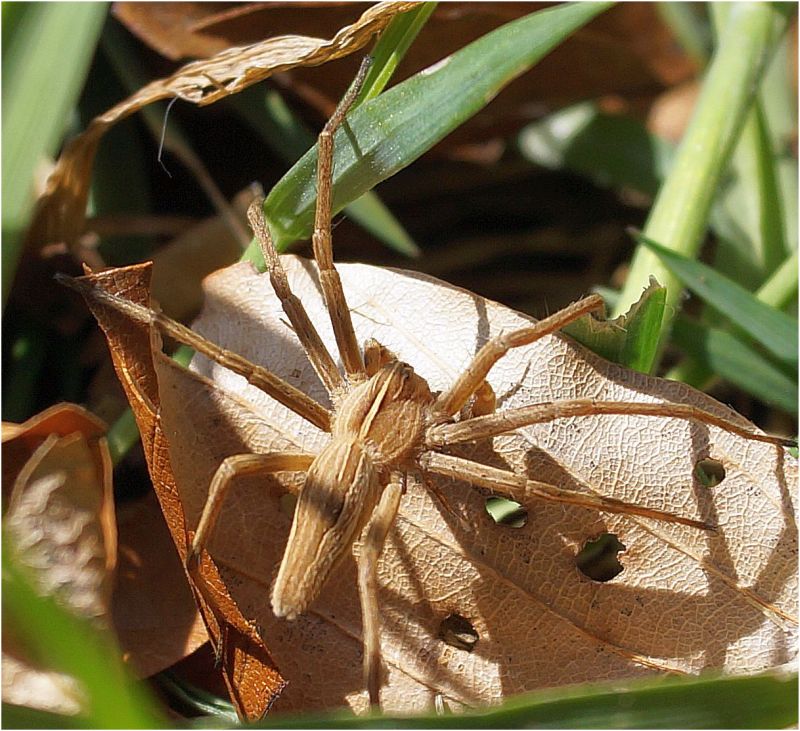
[385, 423]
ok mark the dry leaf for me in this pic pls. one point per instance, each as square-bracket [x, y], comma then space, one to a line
[628, 52]
[686, 601]
[248, 669]
[154, 613]
[180, 265]
[61, 521]
[60, 213]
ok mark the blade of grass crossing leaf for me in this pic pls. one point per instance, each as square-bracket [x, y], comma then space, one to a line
[45, 60]
[391, 47]
[63, 642]
[392, 130]
[768, 700]
[680, 214]
[736, 362]
[623, 339]
[775, 330]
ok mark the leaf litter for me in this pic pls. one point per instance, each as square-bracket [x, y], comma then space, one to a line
[60, 517]
[686, 600]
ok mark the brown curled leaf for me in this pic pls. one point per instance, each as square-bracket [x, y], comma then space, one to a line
[154, 612]
[60, 213]
[250, 674]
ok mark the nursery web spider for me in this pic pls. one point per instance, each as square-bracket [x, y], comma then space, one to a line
[385, 423]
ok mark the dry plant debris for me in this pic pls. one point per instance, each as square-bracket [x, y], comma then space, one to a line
[61, 211]
[60, 516]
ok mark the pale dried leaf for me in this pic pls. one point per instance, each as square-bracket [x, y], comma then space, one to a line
[154, 613]
[44, 690]
[60, 214]
[61, 521]
[686, 601]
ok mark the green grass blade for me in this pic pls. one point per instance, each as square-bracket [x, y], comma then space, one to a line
[716, 351]
[626, 339]
[47, 49]
[774, 329]
[690, 26]
[680, 213]
[748, 215]
[288, 137]
[14, 716]
[389, 132]
[768, 700]
[59, 640]
[781, 288]
[391, 47]
[610, 149]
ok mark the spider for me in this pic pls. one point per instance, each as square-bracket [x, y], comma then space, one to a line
[385, 423]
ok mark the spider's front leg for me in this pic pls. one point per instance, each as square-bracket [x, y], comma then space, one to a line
[330, 282]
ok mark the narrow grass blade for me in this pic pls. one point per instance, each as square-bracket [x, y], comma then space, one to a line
[690, 26]
[768, 700]
[391, 47]
[62, 641]
[47, 48]
[722, 353]
[680, 213]
[389, 132]
[775, 330]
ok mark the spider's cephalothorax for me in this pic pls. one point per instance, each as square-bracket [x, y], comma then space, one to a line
[377, 428]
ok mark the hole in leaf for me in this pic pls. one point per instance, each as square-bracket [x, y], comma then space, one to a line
[288, 502]
[506, 512]
[598, 558]
[709, 472]
[458, 632]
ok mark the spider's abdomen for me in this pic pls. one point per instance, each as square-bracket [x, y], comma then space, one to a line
[337, 498]
[387, 414]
